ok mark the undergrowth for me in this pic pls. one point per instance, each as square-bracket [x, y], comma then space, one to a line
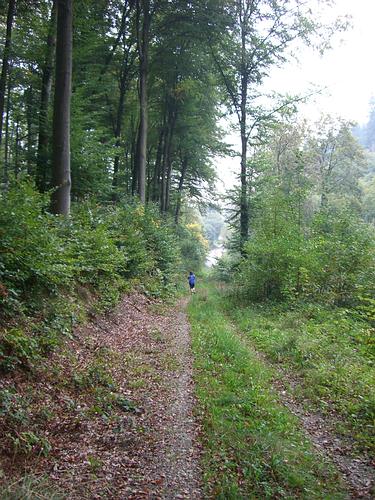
[330, 350]
[31, 488]
[56, 271]
[253, 447]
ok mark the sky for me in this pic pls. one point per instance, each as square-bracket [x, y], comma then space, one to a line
[345, 73]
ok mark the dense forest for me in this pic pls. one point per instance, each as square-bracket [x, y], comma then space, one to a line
[113, 114]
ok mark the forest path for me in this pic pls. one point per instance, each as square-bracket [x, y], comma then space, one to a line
[163, 434]
[146, 447]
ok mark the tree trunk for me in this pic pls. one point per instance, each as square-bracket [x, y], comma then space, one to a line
[244, 215]
[149, 176]
[29, 117]
[180, 188]
[43, 136]
[6, 148]
[135, 176]
[156, 177]
[61, 181]
[5, 66]
[167, 163]
[164, 167]
[16, 149]
[133, 153]
[324, 198]
[143, 42]
[118, 127]
[244, 210]
[127, 170]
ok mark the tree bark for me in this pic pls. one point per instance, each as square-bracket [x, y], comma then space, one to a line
[133, 153]
[61, 180]
[43, 136]
[5, 65]
[143, 42]
[6, 148]
[244, 207]
[135, 173]
[29, 117]
[16, 149]
[156, 178]
[167, 163]
[244, 212]
[118, 127]
[180, 188]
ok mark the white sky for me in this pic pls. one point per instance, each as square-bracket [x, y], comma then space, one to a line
[346, 72]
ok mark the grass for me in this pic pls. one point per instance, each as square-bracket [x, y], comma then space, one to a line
[31, 488]
[330, 352]
[253, 447]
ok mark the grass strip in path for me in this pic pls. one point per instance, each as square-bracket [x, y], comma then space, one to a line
[253, 447]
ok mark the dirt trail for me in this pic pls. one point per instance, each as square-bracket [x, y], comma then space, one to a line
[163, 437]
[177, 459]
[148, 448]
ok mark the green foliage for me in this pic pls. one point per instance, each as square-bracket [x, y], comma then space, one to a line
[331, 352]
[13, 408]
[17, 349]
[252, 446]
[193, 246]
[226, 267]
[16, 417]
[28, 442]
[46, 262]
[339, 265]
[96, 374]
[30, 260]
[331, 261]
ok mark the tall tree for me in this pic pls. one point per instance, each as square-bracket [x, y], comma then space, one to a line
[61, 180]
[144, 16]
[47, 73]
[126, 72]
[337, 159]
[6, 56]
[258, 38]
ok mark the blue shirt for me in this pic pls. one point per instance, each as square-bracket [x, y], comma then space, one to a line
[192, 279]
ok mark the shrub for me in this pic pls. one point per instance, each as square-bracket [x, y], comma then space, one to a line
[332, 262]
[45, 260]
[339, 264]
[17, 349]
[30, 256]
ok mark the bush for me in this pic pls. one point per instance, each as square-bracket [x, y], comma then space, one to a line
[30, 257]
[45, 260]
[17, 349]
[340, 264]
[332, 262]
[226, 267]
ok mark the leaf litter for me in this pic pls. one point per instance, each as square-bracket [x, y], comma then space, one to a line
[119, 399]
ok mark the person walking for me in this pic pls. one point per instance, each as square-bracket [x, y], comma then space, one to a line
[191, 280]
